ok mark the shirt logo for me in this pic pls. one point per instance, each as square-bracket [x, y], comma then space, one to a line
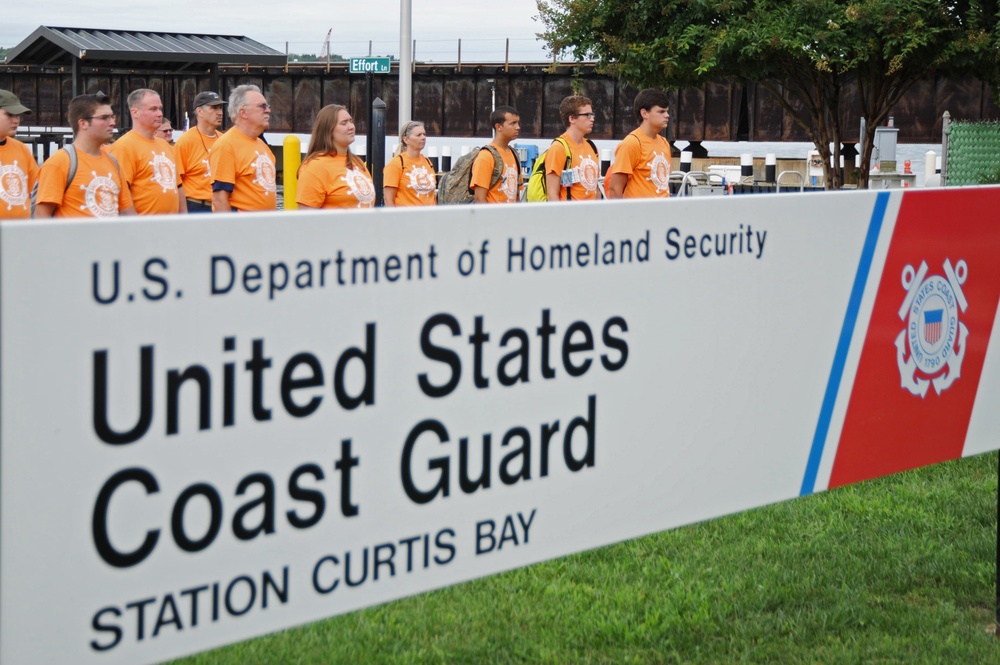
[359, 186]
[164, 171]
[508, 183]
[13, 185]
[101, 196]
[264, 172]
[930, 349]
[589, 173]
[421, 181]
[659, 172]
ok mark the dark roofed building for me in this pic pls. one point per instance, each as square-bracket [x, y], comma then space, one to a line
[138, 49]
[118, 61]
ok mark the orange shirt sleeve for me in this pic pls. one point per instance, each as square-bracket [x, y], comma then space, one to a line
[52, 179]
[311, 190]
[482, 169]
[555, 158]
[222, 162]
[627, 155]
[392, 173]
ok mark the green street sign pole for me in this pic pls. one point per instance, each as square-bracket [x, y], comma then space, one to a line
[369, 138]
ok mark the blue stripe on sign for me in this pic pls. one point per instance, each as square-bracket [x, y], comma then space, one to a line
[846, 332]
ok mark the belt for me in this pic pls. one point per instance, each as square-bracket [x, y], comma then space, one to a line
[207, 204]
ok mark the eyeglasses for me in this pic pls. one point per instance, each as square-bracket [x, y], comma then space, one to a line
[263, 107]
[107, 117]
[166, 131]
[586, 115]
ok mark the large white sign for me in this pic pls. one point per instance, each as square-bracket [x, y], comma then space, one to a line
[213, 429]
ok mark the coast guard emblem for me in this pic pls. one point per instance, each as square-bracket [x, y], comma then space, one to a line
[930, 349]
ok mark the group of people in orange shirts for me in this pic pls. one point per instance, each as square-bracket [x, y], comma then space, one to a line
[209, 170]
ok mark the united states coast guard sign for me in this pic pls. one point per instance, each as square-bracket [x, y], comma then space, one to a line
[931, 307]
[221, 433]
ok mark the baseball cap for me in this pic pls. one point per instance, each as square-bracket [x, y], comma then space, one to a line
[208, 98]
[11, 104]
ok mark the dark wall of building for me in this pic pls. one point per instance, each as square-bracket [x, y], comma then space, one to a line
[456, 101]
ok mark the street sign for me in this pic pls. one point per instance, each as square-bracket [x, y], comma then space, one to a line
[370, 66]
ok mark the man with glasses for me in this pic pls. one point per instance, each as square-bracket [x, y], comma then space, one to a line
[166, 131]
[147, 162]
[242, 164]
[95, 188]
[642, 160]
[18, 168]
[572, 167]
[194, 148]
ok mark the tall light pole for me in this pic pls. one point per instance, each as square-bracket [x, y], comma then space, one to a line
[405, 62]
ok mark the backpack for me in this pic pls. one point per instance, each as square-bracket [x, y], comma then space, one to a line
[71, 151]
[453, 187]
[537, 189]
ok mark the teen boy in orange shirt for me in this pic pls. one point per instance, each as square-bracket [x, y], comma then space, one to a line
[642, 160]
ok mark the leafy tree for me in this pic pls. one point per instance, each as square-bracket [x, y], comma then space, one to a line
[312, 57]
[811, 55]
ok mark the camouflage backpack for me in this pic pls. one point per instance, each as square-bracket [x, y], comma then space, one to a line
[454, 185]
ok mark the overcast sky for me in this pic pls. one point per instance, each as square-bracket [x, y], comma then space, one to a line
[437, 24]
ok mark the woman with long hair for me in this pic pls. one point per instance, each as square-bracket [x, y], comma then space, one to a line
[331, 176]
[409, 178]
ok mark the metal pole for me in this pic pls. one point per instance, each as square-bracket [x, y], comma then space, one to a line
[368, 131]
[377, 151]
[405, 62]
[945, 123]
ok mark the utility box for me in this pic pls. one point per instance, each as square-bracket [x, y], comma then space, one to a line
[885, 148]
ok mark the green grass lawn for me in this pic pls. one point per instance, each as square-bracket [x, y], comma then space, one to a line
[896, 570]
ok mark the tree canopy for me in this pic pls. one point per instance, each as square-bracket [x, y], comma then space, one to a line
[805, 53]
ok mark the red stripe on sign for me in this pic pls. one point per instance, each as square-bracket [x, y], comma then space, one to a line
[913, 394]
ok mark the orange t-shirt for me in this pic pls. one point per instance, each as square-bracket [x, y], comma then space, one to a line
[326, 182]
[96, 190]
[245, 168]
[584, 162]
[646, 162]
[506, 189]
[149, 169]
[18, 173]
[414, 180]
[193, 150]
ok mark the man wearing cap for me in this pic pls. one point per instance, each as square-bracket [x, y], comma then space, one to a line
[242, 164]
[194, 150]
[147, 162]
[18, 168]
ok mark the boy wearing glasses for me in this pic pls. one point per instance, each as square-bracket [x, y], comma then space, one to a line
[147, 162]
[97, 188]
[242, 164]
[166, 131]
[579, 181]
